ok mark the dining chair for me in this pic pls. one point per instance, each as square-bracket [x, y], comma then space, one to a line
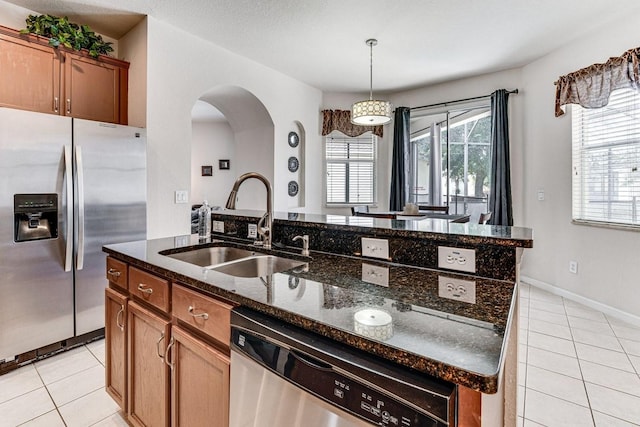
[355, 210]
[484, 217]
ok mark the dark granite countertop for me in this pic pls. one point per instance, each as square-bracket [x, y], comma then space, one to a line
[457, 341]
[432, 227]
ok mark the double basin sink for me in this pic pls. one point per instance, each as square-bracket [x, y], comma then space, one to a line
[235, 261]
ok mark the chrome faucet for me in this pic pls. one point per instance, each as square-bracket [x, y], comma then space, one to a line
[263, 232]
[305, 243]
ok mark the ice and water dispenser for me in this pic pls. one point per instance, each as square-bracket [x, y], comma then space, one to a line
[35, 216]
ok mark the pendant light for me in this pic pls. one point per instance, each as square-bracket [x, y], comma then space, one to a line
[371, 112]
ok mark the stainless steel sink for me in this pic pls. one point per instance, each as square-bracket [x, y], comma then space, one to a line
[258, 266]
[209, 257]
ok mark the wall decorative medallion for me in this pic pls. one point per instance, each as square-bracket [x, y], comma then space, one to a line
[294, 164]
[293, 188]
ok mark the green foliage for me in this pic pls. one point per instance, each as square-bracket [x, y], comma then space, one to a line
[61, 32]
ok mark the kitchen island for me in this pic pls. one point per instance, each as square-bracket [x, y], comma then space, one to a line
[433, 330]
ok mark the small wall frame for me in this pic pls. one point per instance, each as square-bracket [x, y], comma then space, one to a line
[207, 170]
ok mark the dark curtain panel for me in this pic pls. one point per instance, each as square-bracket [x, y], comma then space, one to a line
[500, 195]
[400, 162]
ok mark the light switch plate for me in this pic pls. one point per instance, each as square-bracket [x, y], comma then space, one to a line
[217, 226]
[375, 248]
[375, 274]
[457, 259]
[181, 196]
[457, 289]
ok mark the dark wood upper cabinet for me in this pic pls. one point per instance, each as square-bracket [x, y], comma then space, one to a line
[34, 76]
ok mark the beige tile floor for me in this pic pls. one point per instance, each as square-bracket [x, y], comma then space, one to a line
[577, 367]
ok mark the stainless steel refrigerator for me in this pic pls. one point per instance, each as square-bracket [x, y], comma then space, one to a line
[67, 187]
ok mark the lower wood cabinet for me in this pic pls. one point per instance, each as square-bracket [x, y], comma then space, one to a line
[199, 382]
[116, 346]
[165, 372]
[148, 377]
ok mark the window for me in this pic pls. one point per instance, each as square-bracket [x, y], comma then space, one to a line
[351, 169]
[606, 157]
[462, 142]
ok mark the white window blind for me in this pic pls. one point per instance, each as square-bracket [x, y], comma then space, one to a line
[606, 161]
[351, 169]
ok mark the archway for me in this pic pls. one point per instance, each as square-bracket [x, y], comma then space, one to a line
[238, 129]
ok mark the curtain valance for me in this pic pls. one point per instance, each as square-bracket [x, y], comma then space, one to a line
[341, 120]
[591, 86]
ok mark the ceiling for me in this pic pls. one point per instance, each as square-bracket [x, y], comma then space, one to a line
[322, 42]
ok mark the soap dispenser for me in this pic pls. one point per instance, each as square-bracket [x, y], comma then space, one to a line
[204, 221]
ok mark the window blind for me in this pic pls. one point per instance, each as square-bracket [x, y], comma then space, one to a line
[606, 161]
[351, 169]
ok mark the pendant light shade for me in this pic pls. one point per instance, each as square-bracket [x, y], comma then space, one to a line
[371, 112]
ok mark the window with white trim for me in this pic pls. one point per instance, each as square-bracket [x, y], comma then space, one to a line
[350, 165]
[606, 161]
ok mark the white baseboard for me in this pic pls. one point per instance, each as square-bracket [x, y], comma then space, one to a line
[606, 309]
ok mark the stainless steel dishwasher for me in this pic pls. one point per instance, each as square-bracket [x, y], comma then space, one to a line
[284, 376]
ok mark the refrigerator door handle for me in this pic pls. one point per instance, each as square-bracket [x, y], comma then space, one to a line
[80, 186]
[69, 217]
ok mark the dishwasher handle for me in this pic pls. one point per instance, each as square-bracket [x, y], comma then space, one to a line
[310, 361]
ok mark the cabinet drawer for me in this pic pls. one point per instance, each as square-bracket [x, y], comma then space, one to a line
[203, 313]
[149, 288]
[117, 272]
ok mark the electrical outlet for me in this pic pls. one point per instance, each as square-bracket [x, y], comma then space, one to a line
[217, 226]
[457, 289]
[573, 267]
[375, 248]
[180, 241]
[457, 259]
[181, 196]
[252, 231]
[375, 274]
[541, 195]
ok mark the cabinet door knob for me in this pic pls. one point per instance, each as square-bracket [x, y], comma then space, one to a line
[56, 104]
[167, 360]
[113, 272]
[68, 106]
[144, 288]
[205, 316]
[158, 352]
[119, 316]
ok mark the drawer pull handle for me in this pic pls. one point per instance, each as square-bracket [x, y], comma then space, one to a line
[113, 272]
[158, 352]
[167, 360]
[145, 289]
[119, 316]
[205, 316]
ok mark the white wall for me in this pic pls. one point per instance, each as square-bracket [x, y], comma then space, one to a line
[182, 67]
[608, 267]
[133, 49]
[212, 141]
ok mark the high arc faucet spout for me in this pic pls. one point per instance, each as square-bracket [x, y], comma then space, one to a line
[264, 231]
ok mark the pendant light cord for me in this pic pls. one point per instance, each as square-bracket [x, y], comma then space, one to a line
[371, 43]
